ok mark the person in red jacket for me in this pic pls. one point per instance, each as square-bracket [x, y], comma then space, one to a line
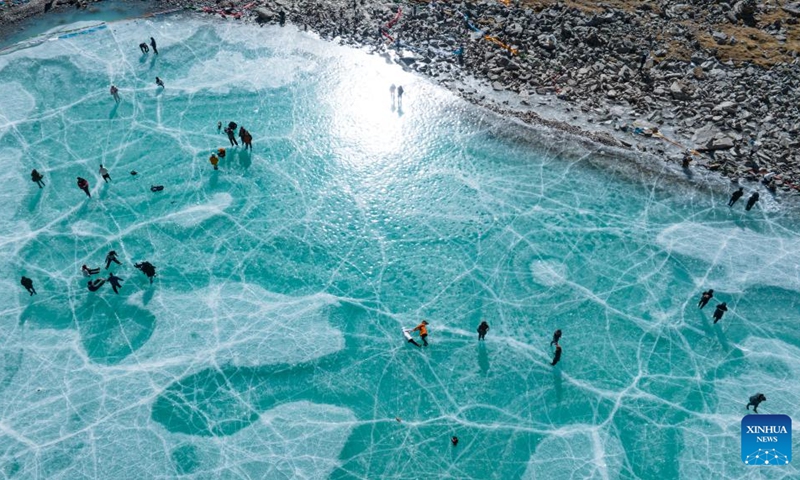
[83, 184]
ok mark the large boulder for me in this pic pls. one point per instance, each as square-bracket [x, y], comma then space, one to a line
[265, 15]
[710, 138]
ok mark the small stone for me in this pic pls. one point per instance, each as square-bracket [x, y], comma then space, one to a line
[547, 41]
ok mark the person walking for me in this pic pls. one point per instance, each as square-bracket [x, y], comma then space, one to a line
[707, 295]
[83, 184]
[556, 337]
[104, 172]
[720, 311]
[735, 196]
[28, 284]
[557, 357]
[115, 93]
[751, 201]
[153, 44]
[37, 177]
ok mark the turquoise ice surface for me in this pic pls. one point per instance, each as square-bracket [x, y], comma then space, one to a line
[270, 344]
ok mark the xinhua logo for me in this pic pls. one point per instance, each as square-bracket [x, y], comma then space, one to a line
[766, 440]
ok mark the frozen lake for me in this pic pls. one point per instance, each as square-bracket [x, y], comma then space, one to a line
[270, 345]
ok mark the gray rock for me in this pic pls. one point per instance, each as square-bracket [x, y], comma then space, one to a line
[721, 142]
[719, 37]
[698, 58]
[265, 14]
[679, 91]
[727, 107]
[792, 8]
[703, 136]
[547, 41]
[514, 29]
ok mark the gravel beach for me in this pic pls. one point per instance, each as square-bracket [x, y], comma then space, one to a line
[705, 85]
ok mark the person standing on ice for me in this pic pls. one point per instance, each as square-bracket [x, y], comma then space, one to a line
[482, 329]
[407, 334]
[751, 201]
[400, 92]
[219, 127]
[231, 132]
[37, 177]
[115, 93]
[83, 184]
[214, 161]
[556, 337]
[755, 400]
[28, 284]
[423, 332]
[735, 196]
[114, 281]
[557, 357]
[153, 44]
[112, 257]
[104, 172]
[720, 311]
[708, 295]
[247, 139]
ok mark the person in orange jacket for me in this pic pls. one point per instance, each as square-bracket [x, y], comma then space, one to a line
[214, 161]
[423, 332]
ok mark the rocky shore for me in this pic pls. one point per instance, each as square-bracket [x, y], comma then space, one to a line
[714, 79]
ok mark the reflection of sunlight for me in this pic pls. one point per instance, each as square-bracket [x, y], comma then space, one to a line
[367, 124]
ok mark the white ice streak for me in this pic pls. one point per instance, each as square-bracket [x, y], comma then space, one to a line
[15, 106]
[237, 323]
[548, 273]
[737, 257]
[578, 451]
[196, 214]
